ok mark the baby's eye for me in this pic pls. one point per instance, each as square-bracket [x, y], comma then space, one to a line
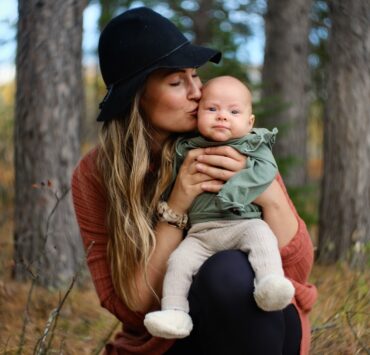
[212, 109]
[235, 112]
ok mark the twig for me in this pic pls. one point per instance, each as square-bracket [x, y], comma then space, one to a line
[54, 314]
[342, 308]
[100, 346]
[35, 275]
[61, 346]
[358, 339]
[25, 318]
[40, 347]
[323, 326]
[59, 199]
[52, 331]
[6, 344]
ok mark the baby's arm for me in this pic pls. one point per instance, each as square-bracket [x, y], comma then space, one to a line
[244, 187]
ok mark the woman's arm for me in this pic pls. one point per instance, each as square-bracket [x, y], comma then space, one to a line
[278, 213]
[219, 165]
[90, 207]
[297, 255]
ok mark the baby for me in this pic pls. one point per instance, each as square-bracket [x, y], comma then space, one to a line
[229, 219]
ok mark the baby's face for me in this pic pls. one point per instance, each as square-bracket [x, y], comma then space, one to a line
[225, 110]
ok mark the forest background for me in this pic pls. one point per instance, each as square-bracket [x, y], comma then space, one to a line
[311, 80]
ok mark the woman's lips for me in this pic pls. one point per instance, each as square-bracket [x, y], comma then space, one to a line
[194, 112]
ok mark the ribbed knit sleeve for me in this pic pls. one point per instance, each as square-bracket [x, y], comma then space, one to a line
[297, 257]
[90, 208]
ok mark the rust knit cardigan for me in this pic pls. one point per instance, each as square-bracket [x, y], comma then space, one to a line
[90, 206]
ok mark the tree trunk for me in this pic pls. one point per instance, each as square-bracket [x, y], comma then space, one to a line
[285, 79]
[345, 202]
[202, 22]
[49, 106]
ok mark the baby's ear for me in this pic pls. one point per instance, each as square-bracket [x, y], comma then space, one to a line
[252, 119]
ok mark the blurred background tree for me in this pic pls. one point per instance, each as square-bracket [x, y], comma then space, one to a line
[345, 200]
[286, 83]
[48, 111]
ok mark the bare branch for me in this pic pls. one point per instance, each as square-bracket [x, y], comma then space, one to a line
[323, 327]
[41, 348]
[26, 318]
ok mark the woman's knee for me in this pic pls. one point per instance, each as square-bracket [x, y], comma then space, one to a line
[225, 279]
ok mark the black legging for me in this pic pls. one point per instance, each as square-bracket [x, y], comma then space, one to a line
[226, 317]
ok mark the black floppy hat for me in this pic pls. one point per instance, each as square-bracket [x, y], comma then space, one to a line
[133, 45]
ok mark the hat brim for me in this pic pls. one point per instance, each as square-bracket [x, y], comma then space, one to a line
[118, 102]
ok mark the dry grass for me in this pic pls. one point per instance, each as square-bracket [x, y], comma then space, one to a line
[341, 316]
[82, 324]
[340, 319]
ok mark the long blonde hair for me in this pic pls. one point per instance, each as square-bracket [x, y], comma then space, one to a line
[133, 191]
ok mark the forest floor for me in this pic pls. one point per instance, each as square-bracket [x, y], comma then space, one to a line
[340, 318]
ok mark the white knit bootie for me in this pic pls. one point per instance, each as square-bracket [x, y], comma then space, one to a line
[169, 324]
[273, 292]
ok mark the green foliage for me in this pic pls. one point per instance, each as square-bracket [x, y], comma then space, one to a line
[267, 107]
[319, 58]
[110, 9]
[218, 24]
[227, 67]
[306, 201]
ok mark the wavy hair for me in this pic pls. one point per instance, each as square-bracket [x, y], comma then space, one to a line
[133, 190]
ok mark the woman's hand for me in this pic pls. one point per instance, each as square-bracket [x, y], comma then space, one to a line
[220, 163]
[204, 169]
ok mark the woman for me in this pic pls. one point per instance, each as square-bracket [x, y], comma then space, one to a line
[153, 94]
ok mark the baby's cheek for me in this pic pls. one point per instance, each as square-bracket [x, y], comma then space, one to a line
[201, 125]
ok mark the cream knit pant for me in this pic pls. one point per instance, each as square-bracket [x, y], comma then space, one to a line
[252, 236]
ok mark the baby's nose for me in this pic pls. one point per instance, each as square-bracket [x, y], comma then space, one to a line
[222, 116]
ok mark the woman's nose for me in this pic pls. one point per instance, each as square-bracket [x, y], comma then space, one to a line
[194, 92]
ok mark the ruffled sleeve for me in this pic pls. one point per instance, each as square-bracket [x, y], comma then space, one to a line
[244, 187]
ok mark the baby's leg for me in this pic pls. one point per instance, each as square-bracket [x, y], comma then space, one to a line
[272, 290]
[173, 321]
[183, 264]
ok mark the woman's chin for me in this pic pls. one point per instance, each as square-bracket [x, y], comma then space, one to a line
[191, 125]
